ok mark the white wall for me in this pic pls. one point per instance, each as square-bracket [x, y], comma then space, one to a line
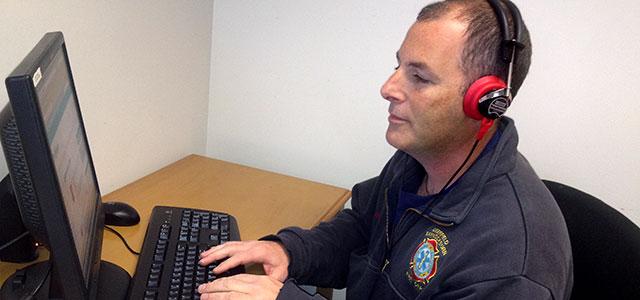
[141, 70]
[294, 89]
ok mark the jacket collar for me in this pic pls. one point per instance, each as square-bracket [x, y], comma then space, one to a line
[455, 205]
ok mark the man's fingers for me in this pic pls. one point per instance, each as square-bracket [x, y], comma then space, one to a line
[247, 278]
[219, 247]
[238, 283]
[225, 296]
[242, 286]
[206, 260]
[220, 252]
[242, 258]
[210, 250]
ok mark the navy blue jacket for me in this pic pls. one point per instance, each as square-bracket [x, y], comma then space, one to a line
[497, 234]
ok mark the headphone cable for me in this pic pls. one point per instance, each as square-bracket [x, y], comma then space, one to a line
[473, 148]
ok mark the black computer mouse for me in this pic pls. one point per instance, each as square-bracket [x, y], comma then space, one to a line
[120, 214]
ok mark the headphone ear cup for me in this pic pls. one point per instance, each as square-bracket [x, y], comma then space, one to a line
[477, 90]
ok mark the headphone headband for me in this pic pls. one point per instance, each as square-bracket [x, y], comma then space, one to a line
[509, 41]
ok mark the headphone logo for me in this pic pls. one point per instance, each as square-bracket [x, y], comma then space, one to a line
[498, 106]
[495, 103]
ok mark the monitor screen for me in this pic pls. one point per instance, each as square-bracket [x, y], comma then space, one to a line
[51, 169]
[70, 154]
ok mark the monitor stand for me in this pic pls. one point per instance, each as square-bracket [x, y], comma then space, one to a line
[113, 282]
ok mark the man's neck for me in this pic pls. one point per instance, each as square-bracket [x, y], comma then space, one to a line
[440, 167]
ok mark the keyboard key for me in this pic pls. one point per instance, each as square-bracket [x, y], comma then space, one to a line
[186, 294]
[152, 283]
[150, 294]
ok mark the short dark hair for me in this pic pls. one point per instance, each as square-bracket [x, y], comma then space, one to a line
[482, 54]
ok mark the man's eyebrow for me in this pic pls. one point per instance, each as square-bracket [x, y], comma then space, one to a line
[421, 66]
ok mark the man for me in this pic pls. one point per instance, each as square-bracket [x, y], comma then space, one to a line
[455, 214]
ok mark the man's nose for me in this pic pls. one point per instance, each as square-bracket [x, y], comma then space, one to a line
[390, 90]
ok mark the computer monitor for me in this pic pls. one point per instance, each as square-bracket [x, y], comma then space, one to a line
[52, 173]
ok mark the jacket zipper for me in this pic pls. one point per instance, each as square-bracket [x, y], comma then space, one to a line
[386, 228]
[386, 225]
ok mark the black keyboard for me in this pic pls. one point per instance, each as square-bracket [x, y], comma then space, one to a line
[168, 264]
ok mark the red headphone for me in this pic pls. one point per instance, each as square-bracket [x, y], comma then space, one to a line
[488, 97]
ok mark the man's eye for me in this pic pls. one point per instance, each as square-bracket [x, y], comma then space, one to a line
[420, 79]
[396, 68]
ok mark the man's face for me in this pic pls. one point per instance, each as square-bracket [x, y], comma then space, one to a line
[425, 92]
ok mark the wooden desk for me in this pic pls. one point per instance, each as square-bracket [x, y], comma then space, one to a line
[262, 202]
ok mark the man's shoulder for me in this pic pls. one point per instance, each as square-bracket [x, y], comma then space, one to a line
[526, 228]
[521, 200]
[537, 204]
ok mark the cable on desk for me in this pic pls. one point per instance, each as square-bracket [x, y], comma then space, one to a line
[11, 242]
[37, 289]
[123, 240]
[44, 279]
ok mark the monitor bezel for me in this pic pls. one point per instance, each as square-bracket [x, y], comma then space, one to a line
[67, 274]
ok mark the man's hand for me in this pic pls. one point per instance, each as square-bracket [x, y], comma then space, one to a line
[271, 255]
[241, 286]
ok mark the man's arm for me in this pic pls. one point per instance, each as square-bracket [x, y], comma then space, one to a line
[320, 256]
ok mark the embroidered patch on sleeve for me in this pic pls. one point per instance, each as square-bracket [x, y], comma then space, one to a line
[423, 265]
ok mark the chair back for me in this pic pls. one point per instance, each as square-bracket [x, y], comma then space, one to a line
[605, 246]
